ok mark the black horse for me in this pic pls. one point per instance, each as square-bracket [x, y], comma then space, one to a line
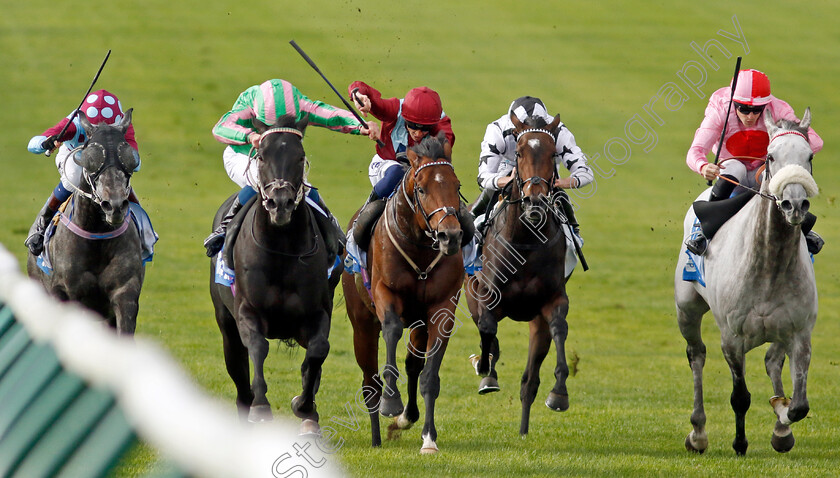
[281, 286]
[523, 274]
[95, 252]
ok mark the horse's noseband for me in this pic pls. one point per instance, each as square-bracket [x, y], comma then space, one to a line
[521, 183]
[279, 183]
[416, 205]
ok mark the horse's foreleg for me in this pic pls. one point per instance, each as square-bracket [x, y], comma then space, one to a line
[733, 351]
[257, 346]
[558, 398]
[317, 348]
[438, 339]
[414, 362]
[689, 318]
[488, 326]
[774, 361]
[538, 344]
[796, 408]
[392, 330]
[236, 360]
[125, 304]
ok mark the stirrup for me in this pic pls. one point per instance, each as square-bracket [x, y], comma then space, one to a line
[215, 241]
[814, 242]
[697, 246]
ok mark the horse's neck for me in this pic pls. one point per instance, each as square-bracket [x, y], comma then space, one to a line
[516, 229]
[88, 215]
[294, 234]
[774, 243]
[402, 215]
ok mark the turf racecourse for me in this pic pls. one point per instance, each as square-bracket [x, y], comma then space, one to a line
[599, 64]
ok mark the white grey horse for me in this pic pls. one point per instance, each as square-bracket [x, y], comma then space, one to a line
[760, 288]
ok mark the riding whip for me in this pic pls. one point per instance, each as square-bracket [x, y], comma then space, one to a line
[318, 70]
[76, 111]
[728, 108]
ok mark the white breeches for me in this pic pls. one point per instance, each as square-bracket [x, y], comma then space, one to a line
[739, 171]
[239, 168]
[70, 172]
[378, 167]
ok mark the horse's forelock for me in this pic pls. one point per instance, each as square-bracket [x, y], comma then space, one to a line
[431, 147]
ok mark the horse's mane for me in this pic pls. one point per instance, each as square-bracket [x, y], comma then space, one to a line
[431, 147]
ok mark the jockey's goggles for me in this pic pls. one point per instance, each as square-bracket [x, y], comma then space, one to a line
[748, 109]
[419, 127]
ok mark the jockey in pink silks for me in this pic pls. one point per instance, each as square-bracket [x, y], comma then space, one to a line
[745, 142]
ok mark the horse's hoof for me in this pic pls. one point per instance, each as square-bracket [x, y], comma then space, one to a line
[260, 413]
[429, 446]
[488, 385]
[309, 428]
[698, 448]
[740, 447]
[556, 402]
[391, 407]
[784, 443]
[298, 409]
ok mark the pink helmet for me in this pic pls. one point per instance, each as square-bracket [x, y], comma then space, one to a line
[753, 88]
[102, 106]
[422, 106]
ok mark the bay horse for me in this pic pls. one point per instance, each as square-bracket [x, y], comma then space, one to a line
[760, 287]
[95, 252]
[416, 272]
[281, 286]
[523, 274]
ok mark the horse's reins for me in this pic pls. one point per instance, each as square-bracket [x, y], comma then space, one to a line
[534, 180]
[276, 183]
[421, 274]
[770, 197]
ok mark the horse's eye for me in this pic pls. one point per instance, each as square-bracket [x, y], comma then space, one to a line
[770, 158]
[420, 190]
[811, 157]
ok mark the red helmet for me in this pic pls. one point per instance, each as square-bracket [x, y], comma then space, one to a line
[102, 106]
[422, 106]
[753, 88]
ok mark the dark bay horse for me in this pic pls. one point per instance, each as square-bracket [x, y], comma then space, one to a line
[760, 287]
[416, 272]
[523, 274]
[95, 252]
[281, 285]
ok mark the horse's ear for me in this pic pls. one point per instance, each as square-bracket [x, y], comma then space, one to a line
[517, 125]
[553, 126]
[301, 125]
[447, 146]
[125, 122]
[806, 121]
[413, 158]
[86, 124]
[769, 122]
[259, 125]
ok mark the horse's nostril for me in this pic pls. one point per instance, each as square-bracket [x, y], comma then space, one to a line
[107, 207]
[786, 206]
[125, 204]
[806, 204]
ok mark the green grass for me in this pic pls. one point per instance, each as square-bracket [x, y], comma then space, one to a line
[182, 64]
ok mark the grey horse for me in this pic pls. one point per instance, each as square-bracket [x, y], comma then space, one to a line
[760, 287]
[95, 252]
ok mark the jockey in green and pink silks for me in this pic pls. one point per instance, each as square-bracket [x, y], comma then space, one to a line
[267, 102]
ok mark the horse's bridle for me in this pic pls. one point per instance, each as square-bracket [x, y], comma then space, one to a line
[277, 183]
[415, 204]
[534, 180]
[92, 178]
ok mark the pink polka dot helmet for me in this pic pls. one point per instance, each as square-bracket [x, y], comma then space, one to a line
[101, 106]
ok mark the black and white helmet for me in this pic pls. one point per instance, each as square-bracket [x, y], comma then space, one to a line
[528, 106]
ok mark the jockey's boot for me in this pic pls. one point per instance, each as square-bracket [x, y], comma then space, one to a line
[720, 191]
[35, 239]
[479, 207]
[812, 239]
[334, 239]
[466, 220]
[569, 212]
[216, 239]
[368, 215]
